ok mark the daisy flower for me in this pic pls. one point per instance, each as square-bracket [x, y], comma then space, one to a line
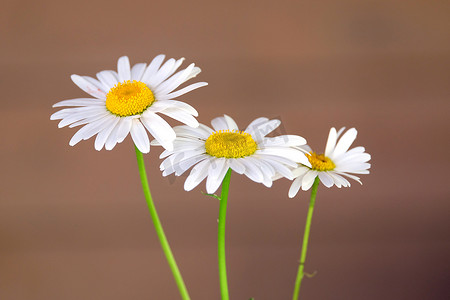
[128, 101]
[249, 152]
[335, 162]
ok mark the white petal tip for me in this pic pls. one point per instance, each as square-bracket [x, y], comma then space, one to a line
[168, 147]
[194, 124]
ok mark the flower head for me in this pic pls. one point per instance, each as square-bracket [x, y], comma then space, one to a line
[213, 151]
[335, 162]
[127, 101]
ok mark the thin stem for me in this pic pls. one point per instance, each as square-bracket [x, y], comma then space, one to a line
[221, 237]
[159, 230]
[300, 273]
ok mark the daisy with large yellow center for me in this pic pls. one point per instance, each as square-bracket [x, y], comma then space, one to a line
[212, 151]
[129, 101]
[333, 165]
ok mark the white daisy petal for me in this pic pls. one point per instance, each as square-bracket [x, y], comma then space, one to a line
[139, 136]
[87, 120]
[160, 129]
[123, 69]
[124, 129]
[352, 177]
[252, 171]
[308, 179]
[97, 83]
[231, 123]
[341, 179]
[336, 180]
[356, 150]
[163, 73]
[281, 169]
[198, 173]
[88, 87]
[237, 166]
[268, 172]
[80, 102]
[113, 137]
[340, 131]
[286, 161]
[181, 167]
[137, 71]
[304, 148]
[326, 179]
[224, 123]
[216, 172]
[290, 153]
[260, 130]
[256, 124]
[164, 104]
[189, 163]
[284, 140]
[200, 132]
[81, 115]
[276, 167]
[89, 130]
[152, 68]
[357, 171]
[300, 171]
[179, 157]
[194, 73]
[295, 187]
[108, 79]
[175, 81]
[219, 123]
[354, 158]
[103, 135]
[344, 142]
[352, 167]
[64, 113]
[181, 116]
[184, 90]
[331, 142]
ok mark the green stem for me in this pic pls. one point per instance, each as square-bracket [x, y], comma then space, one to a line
[158, 227]
[300, 273]
[221, 237]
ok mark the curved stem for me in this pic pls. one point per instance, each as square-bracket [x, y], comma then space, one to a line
[300, 273]
[158, 227]
[221, 237]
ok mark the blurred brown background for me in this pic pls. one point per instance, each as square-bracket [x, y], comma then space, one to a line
[74, 223]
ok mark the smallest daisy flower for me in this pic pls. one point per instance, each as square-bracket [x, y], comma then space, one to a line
[335, 162]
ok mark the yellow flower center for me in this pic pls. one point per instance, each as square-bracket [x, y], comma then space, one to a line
[129, 98]
[320, 162]
[230, 144]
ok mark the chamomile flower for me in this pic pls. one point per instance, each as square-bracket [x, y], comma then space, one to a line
[213, 151]
[335, 162]
[129, 101]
